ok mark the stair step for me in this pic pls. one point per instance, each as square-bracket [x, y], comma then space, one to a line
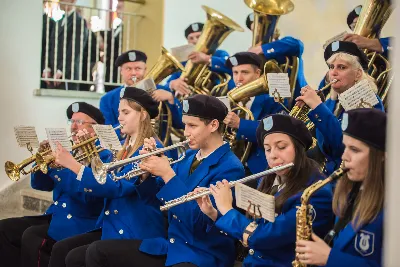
[35, 200]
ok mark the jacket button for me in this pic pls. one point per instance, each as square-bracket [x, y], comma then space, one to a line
[69, 216]
[59, 179]
[107, 212]
[84, 190]
[89, 190]
[171, 240]
[115, 211]
[316, 116]
[56, 176]
[121, 232]
[251, 252]
[64, 205]
[56, 203]
[174, 216]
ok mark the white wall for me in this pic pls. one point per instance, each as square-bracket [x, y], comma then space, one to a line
[20, 28]
[312, 21]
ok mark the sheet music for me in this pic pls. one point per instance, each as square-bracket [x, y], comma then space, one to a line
[55, 135]
[244, 194]
[107, 136]
[278, 84]
[147, 85]
[181, 53]
[358, 96]
[226, 101]
[26, 135]
[335, 38]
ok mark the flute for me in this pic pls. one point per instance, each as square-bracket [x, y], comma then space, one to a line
[190, 197]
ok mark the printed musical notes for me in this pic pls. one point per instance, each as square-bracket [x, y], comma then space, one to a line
[278, 84]
[181, 53]
[26, 136]
[360, 95]
[58, 135]
[107, 136]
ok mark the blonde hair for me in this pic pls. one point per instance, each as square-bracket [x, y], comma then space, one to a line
[355, 64]
[145, 130]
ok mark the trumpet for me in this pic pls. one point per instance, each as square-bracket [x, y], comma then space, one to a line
[101, 170]
[191, 196]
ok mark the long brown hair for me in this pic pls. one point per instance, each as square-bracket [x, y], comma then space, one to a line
[297, 179]
[145, 130]
[369, 201]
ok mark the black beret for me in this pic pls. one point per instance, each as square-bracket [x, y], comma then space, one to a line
[348, 48]
[142, 98]
[194, 27]
[367, 125]
[205, 107]
[243, 58]
[353, 14]
[279, 123]
[130, 56]
[86, 108]
[249, 20]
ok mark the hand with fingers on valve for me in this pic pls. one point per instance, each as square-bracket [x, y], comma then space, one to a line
[364, 42]
[222, 194]
[64, 158]
[199, 57]
[314, 252]
[180, 87]
[161, 95]
[149, 145]
[232, 120]
[256, 49]
[205, 204]
[309, 96]
[158, 166]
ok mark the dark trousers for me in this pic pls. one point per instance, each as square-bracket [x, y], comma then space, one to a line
[23, 238]
[121, 253]
[63, 247]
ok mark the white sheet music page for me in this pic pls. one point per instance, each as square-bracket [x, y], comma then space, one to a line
[181, 53]
[244, 194]
[335, 38]
[26, 135]
[278, 84]
[226, 101]
[147, 85]
[59, 135]
[107, 136]
[360, 95]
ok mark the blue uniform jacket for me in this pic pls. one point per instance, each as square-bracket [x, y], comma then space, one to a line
[262, 106]
[188, 238]
[386, 44]
[273, 244]
[287, 47]
[131, 209]
[73, 212]
[329, 132]
[362, 247]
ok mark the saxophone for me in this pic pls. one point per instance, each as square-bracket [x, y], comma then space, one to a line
[303, 217]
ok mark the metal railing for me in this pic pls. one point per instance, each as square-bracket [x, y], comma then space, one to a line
[79, 48]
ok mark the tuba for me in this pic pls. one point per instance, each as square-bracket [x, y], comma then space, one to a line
[216, 28]
[373, 17]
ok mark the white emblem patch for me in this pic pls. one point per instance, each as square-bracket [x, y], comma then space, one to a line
[122, 93]
[335, 46]
[251, 17]
[364, 243]
[358, 10]
[268, 123]
[132, 56]
[233, 61]
[185, 106]
[345, 121]
[75, 107]
[195, 27]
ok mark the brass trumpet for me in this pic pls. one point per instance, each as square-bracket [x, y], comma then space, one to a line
[101, 170]
[190, 197]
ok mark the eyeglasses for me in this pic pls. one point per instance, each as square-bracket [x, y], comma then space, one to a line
[79, 122]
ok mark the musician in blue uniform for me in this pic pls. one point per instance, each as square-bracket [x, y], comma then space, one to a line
[29, 240]
[246, 67]
[188, 243]
[358, 200]
[131, 209]
[347, 64]
[285, 140]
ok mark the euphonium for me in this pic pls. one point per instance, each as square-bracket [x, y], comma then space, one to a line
[216, 28]
[304, 219]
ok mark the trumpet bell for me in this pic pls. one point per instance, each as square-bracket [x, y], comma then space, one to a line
[12, 171]
[271, 7]
[99, 170]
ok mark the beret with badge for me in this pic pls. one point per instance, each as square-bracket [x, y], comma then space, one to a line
[249, 20]
[194, 27]
[87, 109]
[130, 56]
[367, 125]
[279, 123]
[205, 107]
[243, 58]
[353, 14]
[348, 48]
[142, 98]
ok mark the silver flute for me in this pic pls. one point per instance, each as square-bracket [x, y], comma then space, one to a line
[191, 196]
